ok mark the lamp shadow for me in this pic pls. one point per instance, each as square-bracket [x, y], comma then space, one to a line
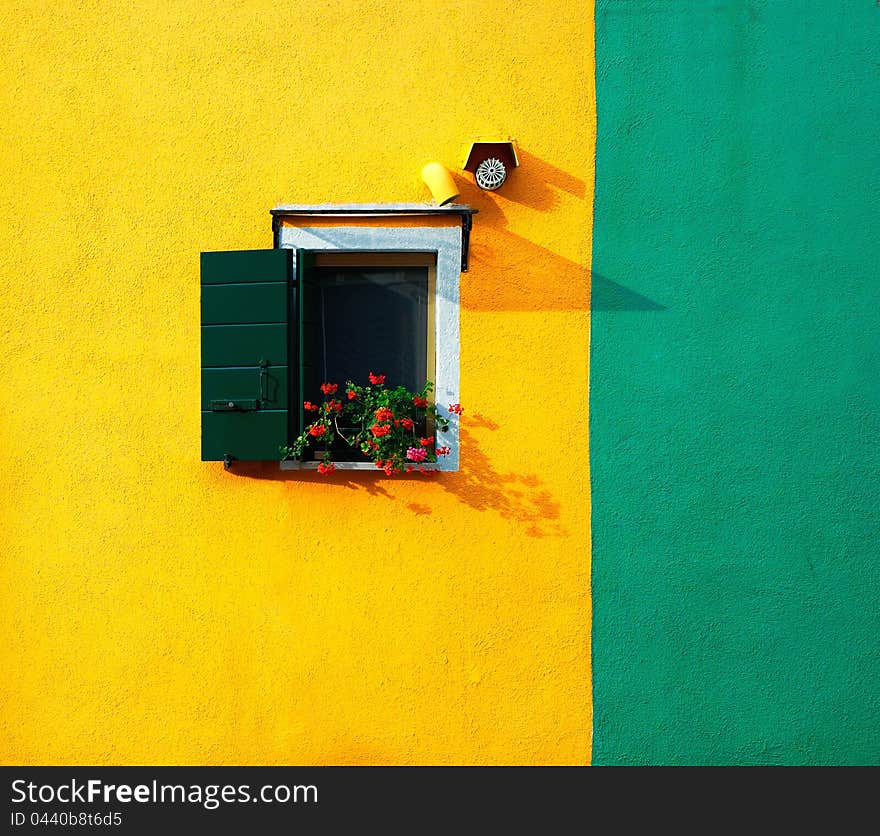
[517, 496]
[537, 183]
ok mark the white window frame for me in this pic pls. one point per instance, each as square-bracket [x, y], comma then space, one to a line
[445, 241]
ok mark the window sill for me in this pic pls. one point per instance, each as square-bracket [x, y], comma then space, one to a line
[294, 465]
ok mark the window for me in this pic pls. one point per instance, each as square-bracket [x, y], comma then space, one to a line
[363, 312]
[329, 303]
[374, 311]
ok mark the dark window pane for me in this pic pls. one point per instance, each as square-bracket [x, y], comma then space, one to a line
[373, 319]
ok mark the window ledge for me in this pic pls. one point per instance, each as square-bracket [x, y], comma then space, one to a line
[294, 465]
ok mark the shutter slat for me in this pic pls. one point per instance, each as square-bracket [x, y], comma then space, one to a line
[225, 304]
[246, 436]
[231, 266]
[244, 345]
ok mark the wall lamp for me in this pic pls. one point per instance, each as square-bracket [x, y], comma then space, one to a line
[490, 163]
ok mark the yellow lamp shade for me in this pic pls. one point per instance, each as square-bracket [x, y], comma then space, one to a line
[440, 182]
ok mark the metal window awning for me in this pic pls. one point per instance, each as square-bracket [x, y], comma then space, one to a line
[377, 210]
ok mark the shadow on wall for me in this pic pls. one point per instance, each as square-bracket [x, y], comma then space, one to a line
[606, 295]
[511, 273]
[540, 188]
[508, 273]
[518, 497]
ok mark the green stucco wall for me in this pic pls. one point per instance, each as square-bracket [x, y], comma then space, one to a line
[735, 383]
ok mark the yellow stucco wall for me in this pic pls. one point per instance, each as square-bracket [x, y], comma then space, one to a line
[156, 609]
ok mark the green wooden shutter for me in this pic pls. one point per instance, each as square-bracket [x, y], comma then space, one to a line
[245, 338]
[309, 327]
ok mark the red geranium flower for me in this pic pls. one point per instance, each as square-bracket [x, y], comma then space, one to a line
[401, 451]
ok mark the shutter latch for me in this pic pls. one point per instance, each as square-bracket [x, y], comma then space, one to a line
[246, 404]
[238, 405]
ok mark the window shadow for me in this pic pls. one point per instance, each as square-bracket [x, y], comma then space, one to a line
[606, 295]
[516, 496]
[508, 272]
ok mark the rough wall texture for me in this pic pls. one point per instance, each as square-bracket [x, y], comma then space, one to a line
[735, 387]
[157, 609]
